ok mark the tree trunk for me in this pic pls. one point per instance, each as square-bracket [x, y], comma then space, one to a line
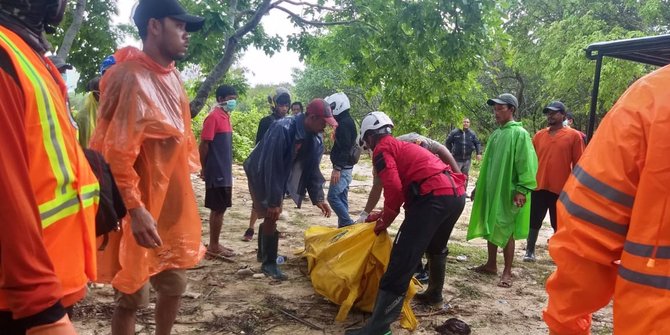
[217, 73]
[72, 30]
[226, 61]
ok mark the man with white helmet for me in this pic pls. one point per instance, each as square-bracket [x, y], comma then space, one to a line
[433, 197]
[343, 155]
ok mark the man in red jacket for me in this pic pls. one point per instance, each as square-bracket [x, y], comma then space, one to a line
[433, 198]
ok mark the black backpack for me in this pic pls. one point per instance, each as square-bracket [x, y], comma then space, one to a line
[111, 208]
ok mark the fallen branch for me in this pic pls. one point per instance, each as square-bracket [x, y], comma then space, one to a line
[305, 322]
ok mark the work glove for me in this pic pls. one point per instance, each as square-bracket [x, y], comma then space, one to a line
[60, 327]
[362, 217]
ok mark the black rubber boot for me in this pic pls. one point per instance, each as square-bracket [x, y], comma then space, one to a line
[269, 266]
[259, 251]
[530, 245]
[387, 309]
[436, 267]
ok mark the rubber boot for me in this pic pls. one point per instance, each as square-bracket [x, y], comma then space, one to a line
[436, 267]
[259, 251]
[387, 309]
[269, 266]
[530, 245]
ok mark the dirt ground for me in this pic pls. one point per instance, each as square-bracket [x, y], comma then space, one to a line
[221, 301]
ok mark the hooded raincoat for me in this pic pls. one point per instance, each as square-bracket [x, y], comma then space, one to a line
[616, 207]
[144, 132]
[509, 166]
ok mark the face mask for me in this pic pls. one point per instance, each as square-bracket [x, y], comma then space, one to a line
[229, 105]
[565, 123]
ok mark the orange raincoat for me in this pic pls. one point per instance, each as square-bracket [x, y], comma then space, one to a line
[616, 206]
[144, 132]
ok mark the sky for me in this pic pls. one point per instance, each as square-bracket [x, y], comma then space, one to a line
[261, 69]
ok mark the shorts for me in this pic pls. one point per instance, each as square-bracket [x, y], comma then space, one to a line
[171, 283]
[256, 205]
[218, 198]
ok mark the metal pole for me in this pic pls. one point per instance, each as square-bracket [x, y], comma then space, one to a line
[594, 98]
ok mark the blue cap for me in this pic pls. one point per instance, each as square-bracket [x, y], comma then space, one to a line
[107, 63]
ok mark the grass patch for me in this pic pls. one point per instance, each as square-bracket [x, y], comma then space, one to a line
[468, 291]
[359, 177]
[475, 255]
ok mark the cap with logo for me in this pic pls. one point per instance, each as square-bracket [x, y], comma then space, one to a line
[319, 107]
[504, 99]
[158, 9]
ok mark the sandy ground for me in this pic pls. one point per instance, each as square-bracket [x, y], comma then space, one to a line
[220, 301]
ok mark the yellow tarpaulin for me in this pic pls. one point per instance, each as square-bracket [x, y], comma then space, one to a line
[346, 266]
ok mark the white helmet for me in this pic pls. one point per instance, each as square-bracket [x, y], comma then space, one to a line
[338, 103]
[375, 121]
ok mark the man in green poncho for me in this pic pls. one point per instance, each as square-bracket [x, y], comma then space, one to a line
[501, 209]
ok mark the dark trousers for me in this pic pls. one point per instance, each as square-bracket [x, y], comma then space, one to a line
[427, 227]
[540, 201]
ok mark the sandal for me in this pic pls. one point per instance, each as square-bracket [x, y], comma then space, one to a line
[248, 235]
[222, 256]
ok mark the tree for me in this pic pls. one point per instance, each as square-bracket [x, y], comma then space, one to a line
[546, 49]
[317, 81]
[241, 29]
[420, 57]
[89, 38]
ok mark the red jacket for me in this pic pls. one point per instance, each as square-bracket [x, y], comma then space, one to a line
[399, 164]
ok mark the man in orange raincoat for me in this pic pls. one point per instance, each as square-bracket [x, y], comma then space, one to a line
[613, 241]
[144, 131]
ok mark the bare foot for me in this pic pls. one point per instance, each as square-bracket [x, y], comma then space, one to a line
[484, 269]
[505, 280]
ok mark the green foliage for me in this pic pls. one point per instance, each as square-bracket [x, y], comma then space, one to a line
[544, 59]
[421, 57]
[97, 39]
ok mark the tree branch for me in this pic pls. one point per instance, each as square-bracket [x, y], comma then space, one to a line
[226, 61]
[300, 20]
[72, 30]
[312, 5]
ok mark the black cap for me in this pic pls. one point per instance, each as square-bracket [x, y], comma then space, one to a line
[569, 116]
[504, 99]
[554, 106]
[158, 9]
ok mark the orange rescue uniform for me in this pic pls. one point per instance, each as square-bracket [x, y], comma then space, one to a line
[616, 206]
[49, 193]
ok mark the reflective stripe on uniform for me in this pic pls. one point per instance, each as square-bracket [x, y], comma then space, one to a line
[647, 250]
[601, 188]
[66, 199]
[591, 217]
[661, 282]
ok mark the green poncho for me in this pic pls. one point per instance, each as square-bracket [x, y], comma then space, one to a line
[86, 119]
[509, 166]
